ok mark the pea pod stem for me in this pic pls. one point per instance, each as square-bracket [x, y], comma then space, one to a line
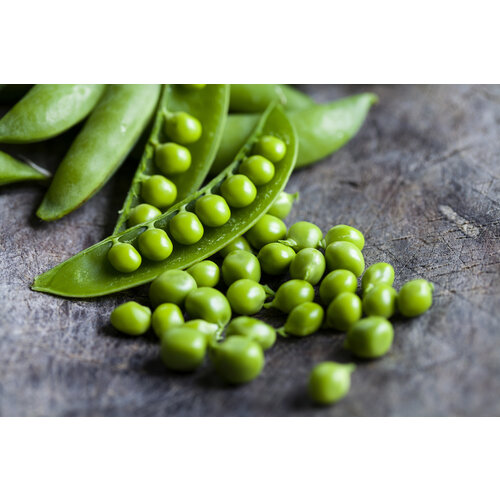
[281, 332]
[269, 291]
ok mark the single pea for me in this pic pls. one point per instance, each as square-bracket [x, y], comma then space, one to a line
[345, 233]
[124, 257]
[208, 304]
[212, 210]
[370, 337]
[259, 170]
[206, 273]
[141, 214]
[154, 244]
[283, 204]
[305, 319]
[380, 301]
[415, 298]
[239, 265]
[183, 349]
[209, 329]
[186, 228]
[183, 128]
[246, 296]
[268, 229]
[166, 317]
[329, 382]
[344, 311]
[159, 191]
[377, 274]
[239, 191]
[291, 294]
[172, 159]
[238, 359]
[171, 287]
[335, 283]
[197, 86]
[254, 329]
[308, 265]
[271, 147]
[303, 235]
[239, 243]
[131, 318]
[275, 258]
[344, 255]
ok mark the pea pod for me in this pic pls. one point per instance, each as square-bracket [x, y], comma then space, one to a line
[12, 170]
[99, 149]
[208, 105]
[90, 274]
[48, 110]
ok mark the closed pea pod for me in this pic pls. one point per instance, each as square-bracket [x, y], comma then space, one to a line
[370, 337]
[206, 273]
[291, 294]
[335, 283]
[239, 265]
[165, 317]
[282, 207]
[303, 235]
[267, 230]
[345, 233]
[415, 298]
[377, 274]
[380, 301]
[344, 255]
[329, 382]
[12, 170]
[183, 348]
[171, 287]
[131, 318]
[308, 265]
[275, 258]
[208, 304]
[246, 296]
[254, 329]
[304, 320]
[345, 310]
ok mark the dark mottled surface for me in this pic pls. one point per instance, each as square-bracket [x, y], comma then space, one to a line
[421, 180]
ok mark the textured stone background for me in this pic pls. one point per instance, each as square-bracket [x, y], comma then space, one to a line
[421, 180]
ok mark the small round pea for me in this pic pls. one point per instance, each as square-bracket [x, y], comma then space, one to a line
[166, 317]
[159, 191]
[345, 233]
[141, 214]
[131, 318]
[377, 274]
[206, 273]
[154, 244]
[275, 258]
[329, 382]
[291, 294]
[209, 329]
[258, 169]
[239, 191]
[183, 128]
[415, 298]
[303, 235]
[268, 229]
[238, 359]
[186, 228]
[380, 301]
[171, 287]
[239, 265]
[212, 210]
[283, 204]
[246, 296]
[344, 311]
[183, 349]
[271, 147]
[305, 319]
[254, 329]
[124, 257]
[208, 304]
[308, 265]
[239, 243]
[172, 158]
[335, 283]
[370, 337]
[344, 255]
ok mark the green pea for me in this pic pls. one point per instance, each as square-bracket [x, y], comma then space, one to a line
[131, 318]
[186, 228]
[239, 191]
[377, 274]
[344, 311]
[154, 244]
[329, 382]
[259, 170]
[305, 319]
[303, 235]
[240, 265]
[238, 360]
[141, 214]
[254, 329]
[335, 283]
[124, 257]
[415, 298]
[345, 233]
[159, 191]
[166, 317]
[239, 243]
[212, 210]
[183, 128]
[206, 273]
[271, 147]
[283, 204]
[370, 337]
[275, 258]
[291, 294]
[268, 229]
[171, 286]
[172, 159]
[208, 304]
[380, 300]
[246, 296]
[308, 265]
[183, 349]
[208, 329]
[345, 255]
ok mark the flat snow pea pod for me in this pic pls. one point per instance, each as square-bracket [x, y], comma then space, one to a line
[12, 170]
[89, 273]
[105, 140]
[48, 110]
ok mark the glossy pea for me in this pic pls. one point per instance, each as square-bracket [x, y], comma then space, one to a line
[329, 382]
[183, 128]
[380, 273]
[305, 319]
[208, 329]
[303, 235]
[131, 318]
[275, 258]
[142, 213]
[267, 230]
[240, 265]
[212, 210]
[380, 301]
[208, 304]
[239, 191]
[254, 329]
[171, 287]
[258, 169]
[283, 204]
[270, 147]
[344, 255]
[291, 294]
[239, 243]
[154, 244]
[370, 337]
[183, 349]
[308, 265]
[345, 310]
[186, 228]
[172, 158]
[165, 317]
[206, 273]
[336, 282]
[415, 298]
[246, 296]
[345, 233]
[124, 257]
[159, 191]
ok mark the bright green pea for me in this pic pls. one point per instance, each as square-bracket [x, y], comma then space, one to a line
[239, 191]
[258, 169]
[239, 243]
[377, 274]
[159, 191]
[305, 319]
[308, 265]
[344, 310]
[239, 265]
[172, 159]
[124, 257]
[171, 287]
[268, 229]
[271, 147]
[154, 244]
[131, 318]
[370, 337]
[275, 258]
[345, 233]
[415, 298]
[183, 349]
[335, 283]
[345, 255]
[212, 210]
[183, 128]
[380, 301]
[246, 296]
[303, 235]
[208, 329]
[291, 294]
[254, 329]
[206, 273]
[208, 304]
[141, 214]
[186, 228]
[166, 317]
[329, 382]
[283, 204]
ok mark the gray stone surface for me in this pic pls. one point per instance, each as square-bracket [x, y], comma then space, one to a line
[421, 180]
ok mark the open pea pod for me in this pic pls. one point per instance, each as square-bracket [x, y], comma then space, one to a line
[12, 170]
[209, 106]
[90, 274]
